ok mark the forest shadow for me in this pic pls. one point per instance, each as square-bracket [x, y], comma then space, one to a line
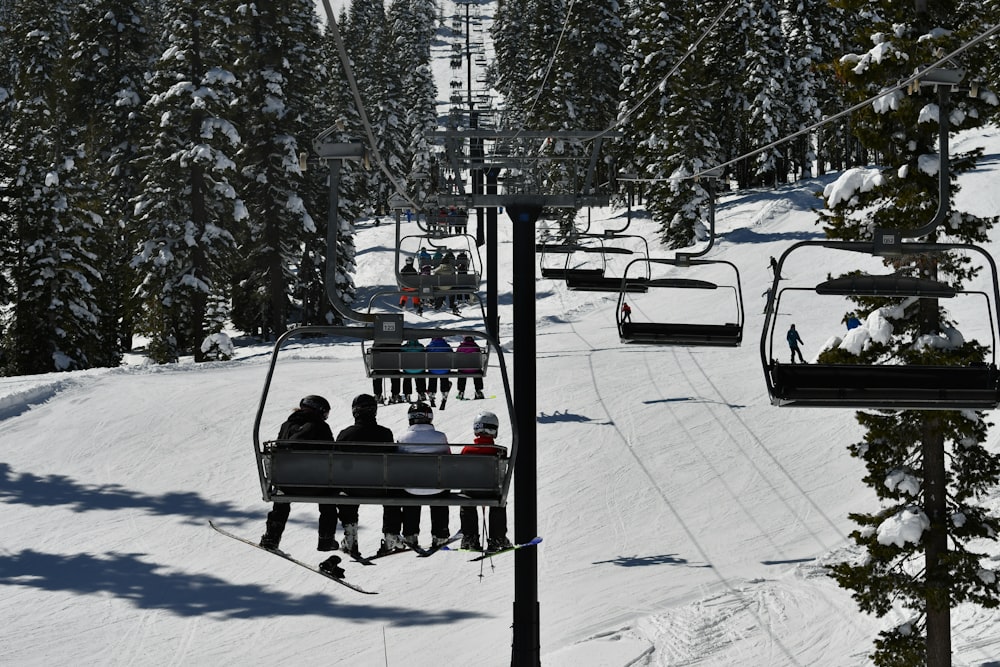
[62, 490]
[149, 585]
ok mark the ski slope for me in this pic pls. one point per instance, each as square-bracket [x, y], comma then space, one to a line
[686, 521]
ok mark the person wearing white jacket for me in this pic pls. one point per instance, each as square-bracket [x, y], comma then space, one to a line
[422, 438]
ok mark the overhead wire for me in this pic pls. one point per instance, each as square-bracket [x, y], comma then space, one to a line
[805, 130]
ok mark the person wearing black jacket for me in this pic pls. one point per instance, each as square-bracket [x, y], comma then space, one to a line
[365, 429]
[307, 422]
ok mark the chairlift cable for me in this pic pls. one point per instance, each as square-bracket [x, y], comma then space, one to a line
[902, 84]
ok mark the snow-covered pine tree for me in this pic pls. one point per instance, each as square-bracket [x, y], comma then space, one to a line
[281, 73]
[657, 40]
[52, 215]
[373, 53]
[112, 50]
[188, 204]
[513, 61]
[926, 571]
[813, 32]
[413, 26]
[767, 80]
[581, 93]
[8, 71]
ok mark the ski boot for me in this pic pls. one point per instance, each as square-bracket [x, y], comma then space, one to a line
[438, 541]
[411, 541]
[349, 543]
[272, 535]
[326, 543]
[460, 395]
[498, 544]
[479, 396]
[471, 542]
[390, 544]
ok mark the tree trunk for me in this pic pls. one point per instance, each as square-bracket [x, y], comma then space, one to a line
[937, 591]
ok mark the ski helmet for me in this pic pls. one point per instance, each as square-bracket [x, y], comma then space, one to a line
[420, 413]
[486, 423]
[314, 402]
[364, 405]
[409, 260]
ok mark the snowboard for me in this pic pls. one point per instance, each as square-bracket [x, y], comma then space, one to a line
[289, 557]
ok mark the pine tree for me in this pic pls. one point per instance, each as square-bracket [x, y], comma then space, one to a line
[53, 217]
[929, 468]
[512, 63]
[657, 40]
[188, 204]
[580, 93]
[111, 52]
[279, 68]
[413, 24]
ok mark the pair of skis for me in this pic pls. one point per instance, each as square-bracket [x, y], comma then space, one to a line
[483, 555]
[420, 551]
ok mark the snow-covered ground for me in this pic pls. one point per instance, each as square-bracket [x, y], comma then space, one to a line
[686, 520]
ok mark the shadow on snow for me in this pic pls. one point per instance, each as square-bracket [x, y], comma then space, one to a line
[55, 490]
[151, 586]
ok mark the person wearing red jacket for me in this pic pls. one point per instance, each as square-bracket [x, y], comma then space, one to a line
[485, 427]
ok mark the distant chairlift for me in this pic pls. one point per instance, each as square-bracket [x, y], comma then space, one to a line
[438, 285]
[562, 270]
[726, 333]
[864, 386]
[603, 282]
[376, 473]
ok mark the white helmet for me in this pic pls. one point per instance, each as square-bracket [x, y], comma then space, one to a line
[486, 423]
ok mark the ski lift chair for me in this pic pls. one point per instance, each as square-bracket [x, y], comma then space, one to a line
[723, 334]
[376, 473]
[444, 222]
[891, 387]
[434, 286]
[605, 283]
[564, 271]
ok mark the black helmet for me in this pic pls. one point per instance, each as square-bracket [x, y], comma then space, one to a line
[314, 402]
[420, 413]
[364, 405]
[409, 260]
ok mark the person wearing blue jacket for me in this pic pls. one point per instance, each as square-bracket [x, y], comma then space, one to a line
[438, 344]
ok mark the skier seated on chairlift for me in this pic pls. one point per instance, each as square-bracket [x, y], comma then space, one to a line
[410, 270]
[307, 422]
[485, 428]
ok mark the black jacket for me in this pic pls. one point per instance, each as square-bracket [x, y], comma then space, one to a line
[305, 424]
[365, 430]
